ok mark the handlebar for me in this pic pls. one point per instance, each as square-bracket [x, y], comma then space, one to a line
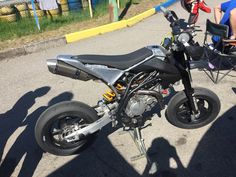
[167, 13]
[173, 19]
[182, 33]
[164, 10]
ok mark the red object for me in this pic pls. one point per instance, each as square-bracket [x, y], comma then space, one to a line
[202, 5]
[165, 92]
[193, 6]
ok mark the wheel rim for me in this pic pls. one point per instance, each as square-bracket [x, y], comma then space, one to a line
[64, 125]
[205, 108]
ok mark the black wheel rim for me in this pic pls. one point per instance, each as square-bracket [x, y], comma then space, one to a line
[205, 108]
[62, 126]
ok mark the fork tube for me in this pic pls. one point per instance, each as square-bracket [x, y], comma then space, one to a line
[188, 90]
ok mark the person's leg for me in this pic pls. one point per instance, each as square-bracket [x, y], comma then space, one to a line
[50, 15]
[217, 14]
[233, 23]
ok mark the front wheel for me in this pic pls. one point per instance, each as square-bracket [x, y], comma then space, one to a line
[179, 115]
[61, 120]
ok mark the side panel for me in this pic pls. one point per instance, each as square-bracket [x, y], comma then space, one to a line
[157, 64]
[109, 75]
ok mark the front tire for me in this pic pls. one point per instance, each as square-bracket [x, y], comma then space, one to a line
[60, 120]
[178, 113]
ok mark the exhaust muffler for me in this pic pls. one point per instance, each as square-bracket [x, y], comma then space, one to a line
[61, 68]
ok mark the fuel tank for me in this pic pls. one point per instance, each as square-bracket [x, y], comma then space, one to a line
[160, 62]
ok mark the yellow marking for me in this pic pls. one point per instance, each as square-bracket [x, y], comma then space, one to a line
[73, 37]
[95, 31]
[132, 21]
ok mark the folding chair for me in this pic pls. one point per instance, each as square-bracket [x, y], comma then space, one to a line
[220, 55]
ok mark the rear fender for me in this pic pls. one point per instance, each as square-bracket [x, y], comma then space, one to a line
[101, 72]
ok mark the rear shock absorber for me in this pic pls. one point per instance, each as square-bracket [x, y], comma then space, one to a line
[110, 95]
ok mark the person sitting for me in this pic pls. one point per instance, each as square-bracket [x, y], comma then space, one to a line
[193, 6]
[229, 17]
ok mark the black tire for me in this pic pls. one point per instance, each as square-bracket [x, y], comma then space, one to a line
[62, 117]
[178, 113]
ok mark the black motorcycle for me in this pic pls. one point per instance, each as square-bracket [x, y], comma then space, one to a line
[137, 82]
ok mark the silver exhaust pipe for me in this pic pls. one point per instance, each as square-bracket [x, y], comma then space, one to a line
[61, 68]
[52, 64]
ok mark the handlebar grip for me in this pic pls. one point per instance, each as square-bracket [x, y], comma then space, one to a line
[164, 10]
[167, 13]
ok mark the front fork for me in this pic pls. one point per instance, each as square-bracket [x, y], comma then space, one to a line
[184, 70]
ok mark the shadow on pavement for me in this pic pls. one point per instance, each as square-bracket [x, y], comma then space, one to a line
[25, 144]
[234, 90]
[100, 160]
[162, 152]
[215, 154]
[15, 117]
[103, 160]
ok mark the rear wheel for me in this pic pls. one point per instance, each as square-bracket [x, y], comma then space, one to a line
[60, 120]
[178, 112]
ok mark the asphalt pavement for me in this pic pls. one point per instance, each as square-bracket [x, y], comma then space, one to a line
[27, 89]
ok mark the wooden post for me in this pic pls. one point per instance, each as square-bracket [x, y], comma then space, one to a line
[113, 11]
[118, 3]
[90, 8]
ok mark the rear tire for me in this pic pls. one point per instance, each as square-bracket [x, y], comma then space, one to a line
[178, 113]
[60, 120]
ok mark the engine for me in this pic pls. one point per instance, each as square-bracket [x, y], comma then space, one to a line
[139, 104]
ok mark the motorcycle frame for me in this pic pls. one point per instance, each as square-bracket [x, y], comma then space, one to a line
[181, 64]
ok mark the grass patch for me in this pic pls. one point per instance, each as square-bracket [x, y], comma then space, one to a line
[27, 26]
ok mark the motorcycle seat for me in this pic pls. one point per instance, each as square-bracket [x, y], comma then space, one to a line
[116, 61]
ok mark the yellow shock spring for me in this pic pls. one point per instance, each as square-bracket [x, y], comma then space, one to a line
[119, 87]
[109, 95]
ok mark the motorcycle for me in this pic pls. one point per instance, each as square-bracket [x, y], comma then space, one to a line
[137, 82]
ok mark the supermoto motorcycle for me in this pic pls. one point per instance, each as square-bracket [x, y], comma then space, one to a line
[137, 81]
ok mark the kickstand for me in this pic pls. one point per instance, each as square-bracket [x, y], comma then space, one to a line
[139, 141]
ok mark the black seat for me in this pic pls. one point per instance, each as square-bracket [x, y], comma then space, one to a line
[116, 61]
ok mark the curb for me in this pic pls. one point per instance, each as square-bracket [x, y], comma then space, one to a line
[31, 48]
[76, 36]
[73, 37]
[39, 46]
[12, 53]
